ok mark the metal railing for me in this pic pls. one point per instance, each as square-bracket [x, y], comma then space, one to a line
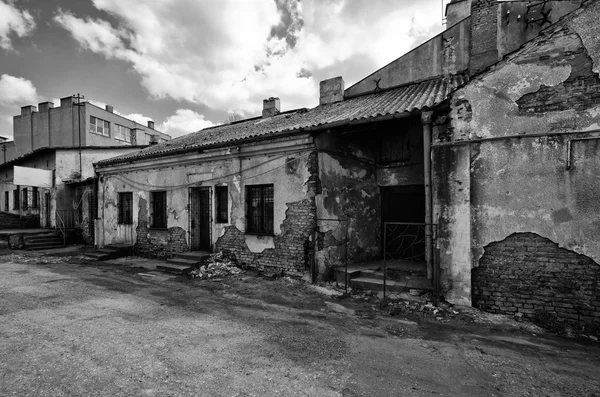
[68, 217]
[60, 224]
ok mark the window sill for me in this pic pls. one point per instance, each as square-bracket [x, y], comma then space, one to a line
[260, 234]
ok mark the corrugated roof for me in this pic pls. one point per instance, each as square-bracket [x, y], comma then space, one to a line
[407, 98]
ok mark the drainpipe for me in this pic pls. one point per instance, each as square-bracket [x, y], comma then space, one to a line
[426, 121]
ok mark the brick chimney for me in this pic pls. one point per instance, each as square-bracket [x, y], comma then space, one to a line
[270, 107]
[25, 110]
[109, 108]
[331, 91]
[484, 34]
[151, 124]
[45, 107]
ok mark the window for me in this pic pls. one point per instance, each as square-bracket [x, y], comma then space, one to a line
[99, 126]
[159, 209]
[35, 198]
[125, 205]
[16, 199]
[6, 196]
[123, 133]
[259, 209]
[25, 202]
[221, 205]
[395, 148]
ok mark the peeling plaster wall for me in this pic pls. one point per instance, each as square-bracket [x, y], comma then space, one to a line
[221, 167]
[520, 182]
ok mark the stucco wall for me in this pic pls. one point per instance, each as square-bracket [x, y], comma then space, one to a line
[515, 162]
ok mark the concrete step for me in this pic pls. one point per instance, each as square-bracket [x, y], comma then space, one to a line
[374, 284]
[46, 247]
[406, 266]
[99, 256]
[58, 241]
[173, 268]
[197, 256]
[41, 237]
[183, 262]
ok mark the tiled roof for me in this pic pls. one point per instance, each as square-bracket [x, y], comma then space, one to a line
[371, 106]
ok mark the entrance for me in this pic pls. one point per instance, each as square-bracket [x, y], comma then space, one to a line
[405, 205]
[200, 219]
[47, 207]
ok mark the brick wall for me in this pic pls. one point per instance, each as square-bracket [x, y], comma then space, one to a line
[484, 33]
[293, 247]
[14, 221]
[159, 243]
[531, 275]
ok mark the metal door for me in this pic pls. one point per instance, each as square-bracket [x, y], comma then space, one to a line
[200, 219]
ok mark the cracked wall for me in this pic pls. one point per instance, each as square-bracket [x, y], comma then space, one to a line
[528, 153]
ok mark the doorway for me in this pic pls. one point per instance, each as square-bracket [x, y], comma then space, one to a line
[404, 205]
[200, 219]
[47, 207]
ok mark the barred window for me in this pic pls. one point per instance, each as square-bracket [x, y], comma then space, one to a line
[99, 126]
[125, 204]
[259, 209]
[222, 204]
[159, 209]
[35, 198]
[25, 203]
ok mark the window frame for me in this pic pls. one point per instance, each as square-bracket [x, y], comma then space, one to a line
[221, 204]
[7, 201]
[16, 198]
[123, 137]
[24, 198]
[265, 208]
[35, 197]
[104, 128]
[124, 201]
[158, 222]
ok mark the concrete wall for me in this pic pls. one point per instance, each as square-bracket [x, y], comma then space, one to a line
[256, 164]
[507, 166]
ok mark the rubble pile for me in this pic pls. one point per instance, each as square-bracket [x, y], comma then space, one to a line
[441, 312]
[216, 266]
[37, 259]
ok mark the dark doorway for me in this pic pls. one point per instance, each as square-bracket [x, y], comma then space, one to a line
[92, 215]
[200, 219]
[47, 207]
[404, 204]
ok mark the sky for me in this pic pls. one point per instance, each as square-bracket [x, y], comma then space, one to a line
[192, 64]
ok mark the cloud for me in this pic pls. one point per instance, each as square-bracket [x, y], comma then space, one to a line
[13, 22]
[232, 55]
[17, 91]
[183, 122]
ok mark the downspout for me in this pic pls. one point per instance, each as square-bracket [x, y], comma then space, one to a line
[426, 118]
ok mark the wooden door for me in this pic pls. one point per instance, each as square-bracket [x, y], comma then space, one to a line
[200, 219]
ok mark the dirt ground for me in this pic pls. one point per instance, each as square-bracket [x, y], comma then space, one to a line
[70, 327]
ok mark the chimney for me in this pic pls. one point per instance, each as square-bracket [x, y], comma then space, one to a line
[45, 107]
[151, 124]
[331, 90]
[456, 11]
[484, 34]
[66, 102]
[109, 108]
[25, 110]
[270, 107]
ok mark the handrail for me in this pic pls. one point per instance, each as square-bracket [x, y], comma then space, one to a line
[62, 229]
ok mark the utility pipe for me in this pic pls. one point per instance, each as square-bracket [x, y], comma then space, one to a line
[426, 118]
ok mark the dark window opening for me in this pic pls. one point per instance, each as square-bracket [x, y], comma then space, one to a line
[125, 205]
[35, 198]
[259, 209]
[222, 204]
[16, 199]
[25, 203]
[6, 204]
[159, 209]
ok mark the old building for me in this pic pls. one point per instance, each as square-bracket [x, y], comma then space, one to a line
[483, 139]
[53, 152]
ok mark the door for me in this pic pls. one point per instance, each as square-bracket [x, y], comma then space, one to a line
[406, 206]
[200, 219]
[47, 207]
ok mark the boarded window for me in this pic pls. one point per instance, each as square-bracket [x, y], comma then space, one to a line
[125, 205]
[159, 209]
[259, 209]
[395, 148]
[222, 203]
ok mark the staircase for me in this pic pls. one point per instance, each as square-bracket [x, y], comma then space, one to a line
[402, 277]
[111, 251]
[43, 241]
[184, 262]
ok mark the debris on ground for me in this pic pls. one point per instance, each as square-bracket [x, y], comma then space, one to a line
[32, 258]
[216, 266]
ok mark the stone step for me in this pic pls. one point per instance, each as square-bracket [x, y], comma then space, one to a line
[397, 276]
[197, 256]
[374, 284]
[173, 268]
[41, 237]
[45, 247]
